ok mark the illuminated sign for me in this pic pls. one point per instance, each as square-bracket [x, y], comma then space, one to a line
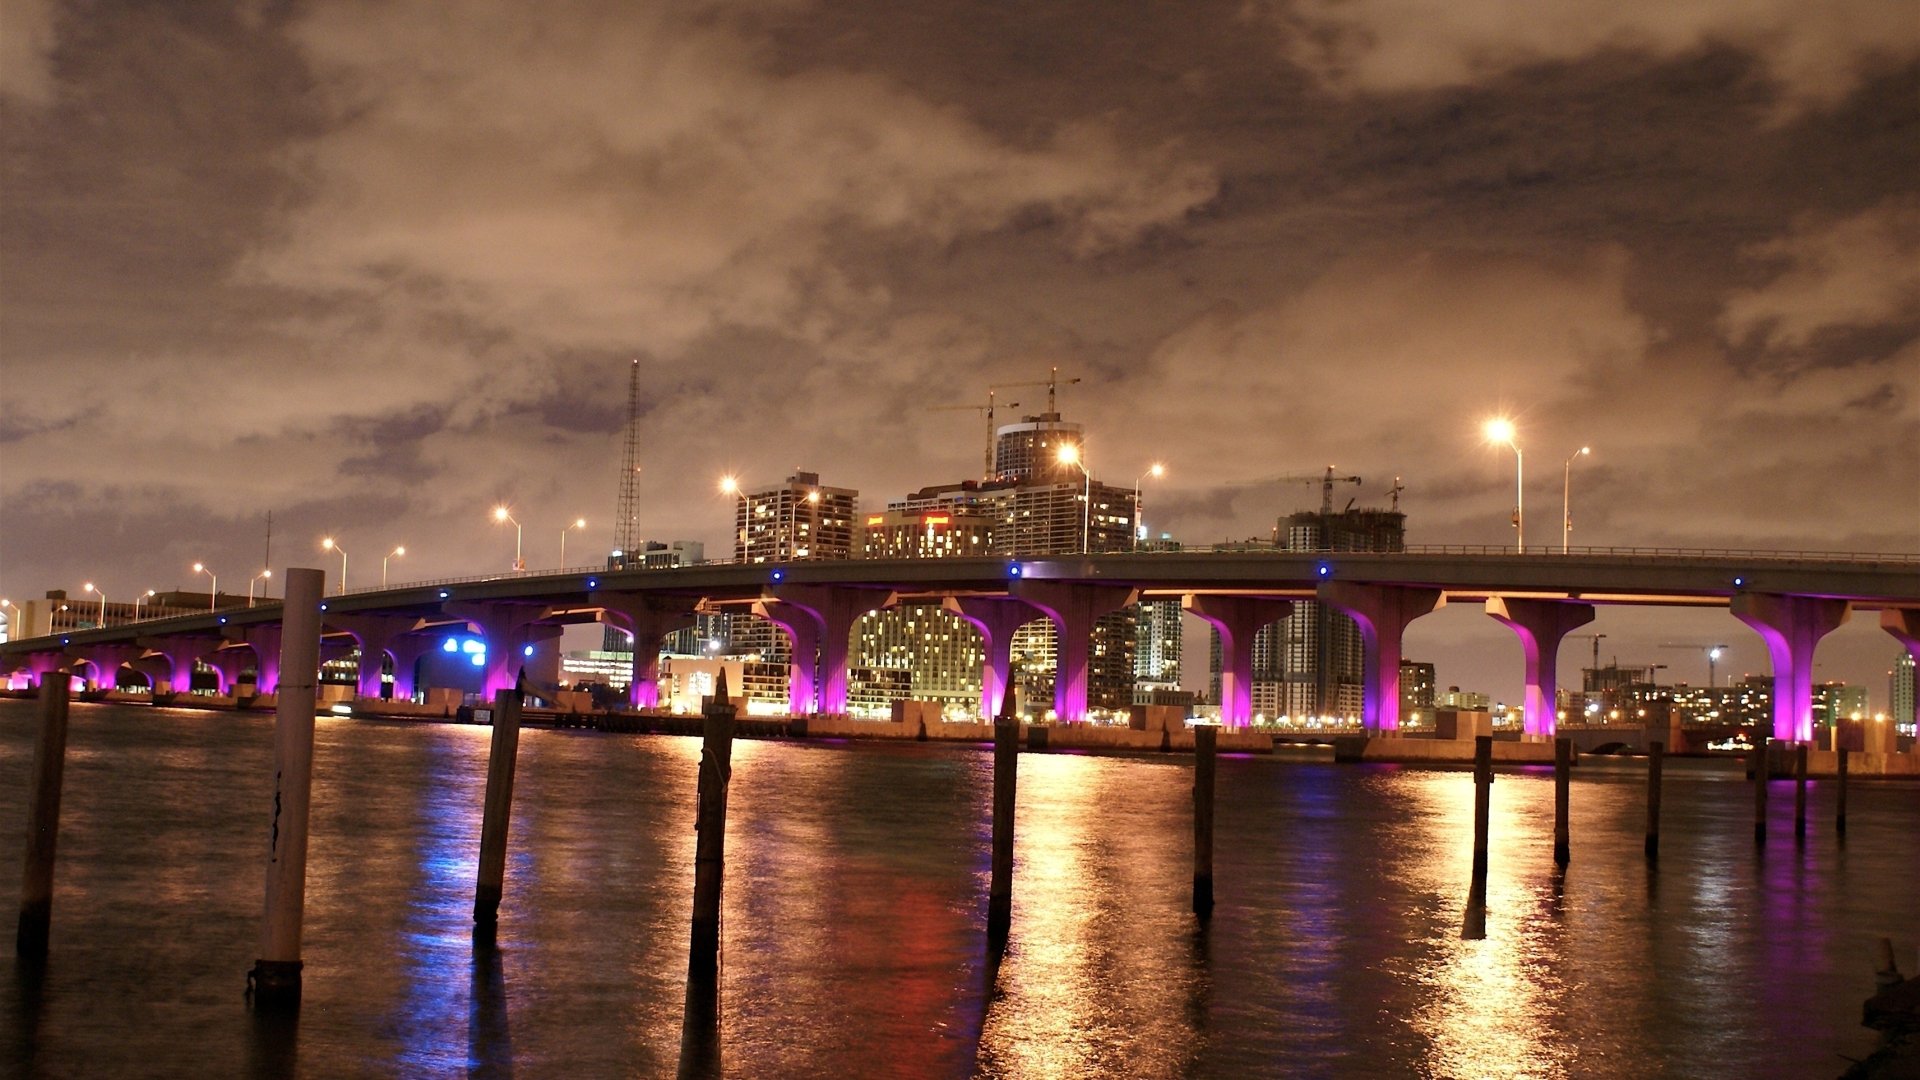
[876, 519]
[935, 519]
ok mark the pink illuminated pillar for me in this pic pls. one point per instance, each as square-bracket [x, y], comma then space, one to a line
[835, 610]
[503, 626]
[997, 618]
[1791, 626]
[406, 651]
[1073, 610]
[647, 619]
[1237, 619]
[804, 631]
[374, 634]
[1540, 625]
[265, 642]
[1382, 612]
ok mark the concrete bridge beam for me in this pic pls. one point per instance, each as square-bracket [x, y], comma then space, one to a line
[1791, 626]
[1382, 612]
[375, 635]
[505, 627]
[181, 652]
[648, 619]
[1237, 619]
[997, 618]
[1073, 609]
[803, 630]
[1540, 625]
[835, 610]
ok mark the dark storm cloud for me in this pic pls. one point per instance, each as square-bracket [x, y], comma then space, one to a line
[377, 266]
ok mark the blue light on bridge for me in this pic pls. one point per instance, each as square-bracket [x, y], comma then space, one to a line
[1739, 581]
[474, 648]
[1324, 569]
[323, 607]
[528, 651]
[1013, 569]
[444, 594]
[779, 575]
[66, 641]
[593, 583]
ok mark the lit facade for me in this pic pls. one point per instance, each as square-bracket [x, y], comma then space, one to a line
[799, 519]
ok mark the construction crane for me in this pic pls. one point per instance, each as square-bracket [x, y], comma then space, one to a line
[1596, 648]
[988, 408]
[1395, 491]
[1326, 485]
[1051, 382]
[1713, 654]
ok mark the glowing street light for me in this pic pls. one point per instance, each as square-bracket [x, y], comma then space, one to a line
[394, 554]
[1070, 455]
[88, 587]
[328, 545]
[214, 595]
[1566, 496]
[1500, 431]
[267, 575]
[138, 599]
[793, 523]
[500, 515]
[1156, 470]
[578, 523]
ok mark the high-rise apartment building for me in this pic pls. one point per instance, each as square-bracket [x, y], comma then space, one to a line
[799, 519]
[1900, 688]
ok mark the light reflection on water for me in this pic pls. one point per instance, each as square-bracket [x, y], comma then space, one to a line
[855, 915]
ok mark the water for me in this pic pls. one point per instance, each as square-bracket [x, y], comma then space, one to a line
[855, 915]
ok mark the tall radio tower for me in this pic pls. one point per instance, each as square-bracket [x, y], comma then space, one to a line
[626, 525]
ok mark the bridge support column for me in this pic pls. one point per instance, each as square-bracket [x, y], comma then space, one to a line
[996, 618]
[504, 625]
[1382, 612]
[1540, 625]
[1073, 610]
[375, 634]
[181, 652]
[103, 662]
[1237, 619]
[835, 610]
[265, 642]
[1904, 625]
[227, 664]
[803, 631]
[1791, 626]
[648, 619]
[406, 651]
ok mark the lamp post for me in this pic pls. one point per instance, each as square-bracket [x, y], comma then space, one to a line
[1501, 431]
[500, 514]
[328, 545]
[88, 587]
[578, 523]
[268, 574]
[1566, 496]
[1070, 455]
[1156, 470]
[214, 595]
[138, 598]
[394, 554]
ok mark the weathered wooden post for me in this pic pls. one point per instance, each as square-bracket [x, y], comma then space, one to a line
[1656, 754]
[1840, 809]
[1562, 773]
[1800, 792]
[1759, 788]
[275, 978]
[501, 758]
[43, 817]
[699, 1041]
[1476, 920]
[1006, 764]
[1205, 741]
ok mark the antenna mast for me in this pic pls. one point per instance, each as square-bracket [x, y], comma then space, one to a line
[626, 514]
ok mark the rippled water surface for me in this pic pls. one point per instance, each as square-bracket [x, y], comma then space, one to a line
[855, 915]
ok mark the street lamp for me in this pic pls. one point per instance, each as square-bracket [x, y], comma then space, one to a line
[394, 554]
[1713, 657]
[1500, 430]
[265, 575]
[1070, 455]
[214, 595]
[500, 515]
[1156, 470]
[88, 587]
[578, 523]
[328, 545]
[1566, 496]
[137, 599]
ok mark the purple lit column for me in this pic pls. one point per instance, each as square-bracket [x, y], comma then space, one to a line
[1073, 610]
[181, 652]
[804, 632]
[374, 634]
[1237, 619]
[503, 626]
[647, 620]
[834, 610]
[997, 619]
[1791, 626]
[1540, 625]
[265, 642]
[1382, 612]
[406, 651]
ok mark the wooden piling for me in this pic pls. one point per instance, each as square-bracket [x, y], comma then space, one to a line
[1800, 792]
[709, 863]
[1759, 788]
[1205, 743]
[1656, 756]
[275, 978]
[1840, 796]
[43, 818]
[1006, 763]
[1476, 918]
[501, 759]
[1562, 774]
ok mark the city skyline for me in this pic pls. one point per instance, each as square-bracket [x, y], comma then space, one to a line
[377, 273]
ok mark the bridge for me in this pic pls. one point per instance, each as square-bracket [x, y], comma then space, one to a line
[1790, 599]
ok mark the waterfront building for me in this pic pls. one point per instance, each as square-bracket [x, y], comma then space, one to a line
[1416, 691]
[1900, 689]
[798, 519]
[1836, 701]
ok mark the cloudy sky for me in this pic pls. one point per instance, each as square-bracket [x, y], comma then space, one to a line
[375, 267]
